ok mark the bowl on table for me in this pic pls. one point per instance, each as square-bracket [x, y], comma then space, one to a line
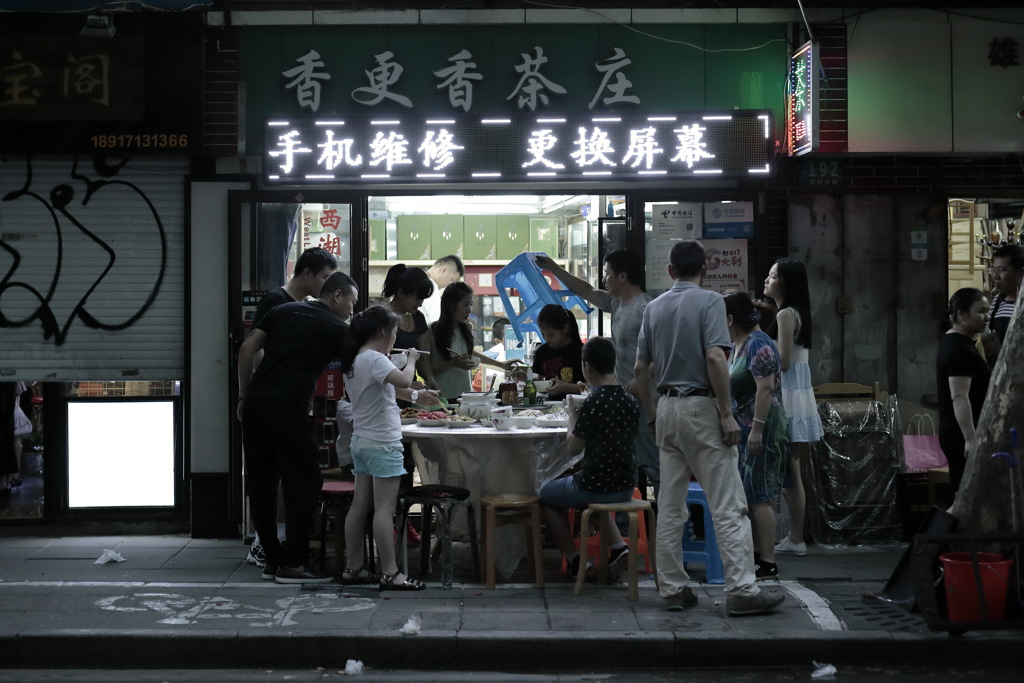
[486, 422]
[502, 422]
[431, 423]
[523, 421]
[576, 400]
[543, 385]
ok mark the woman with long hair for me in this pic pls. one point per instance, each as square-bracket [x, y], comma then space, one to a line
[450, 342]
[786, 284]
[405, 289]
[559, 358]
[963, 376]
[755, 381]
[374, 383]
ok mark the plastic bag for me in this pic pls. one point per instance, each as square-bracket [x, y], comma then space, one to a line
[921, 451]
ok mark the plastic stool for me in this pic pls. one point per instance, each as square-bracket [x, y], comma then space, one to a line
[517, 509]
[633, 509]
[442, 499]
[641, 547]
[706, 551]
[523, 275]
[338, 494]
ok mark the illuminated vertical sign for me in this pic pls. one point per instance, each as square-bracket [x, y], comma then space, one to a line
[802, 101]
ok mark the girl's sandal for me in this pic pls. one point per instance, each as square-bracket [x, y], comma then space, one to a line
[387, 583]
[356, 577]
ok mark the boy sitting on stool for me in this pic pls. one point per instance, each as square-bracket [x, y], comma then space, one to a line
[606, 424]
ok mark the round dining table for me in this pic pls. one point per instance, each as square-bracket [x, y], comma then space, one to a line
[487, 461]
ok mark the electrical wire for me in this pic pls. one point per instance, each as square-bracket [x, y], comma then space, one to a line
[656, 37]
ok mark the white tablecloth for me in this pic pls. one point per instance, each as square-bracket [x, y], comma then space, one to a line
[487, 462]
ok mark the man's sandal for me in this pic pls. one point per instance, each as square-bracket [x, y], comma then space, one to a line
[387, 583]
[357, 577]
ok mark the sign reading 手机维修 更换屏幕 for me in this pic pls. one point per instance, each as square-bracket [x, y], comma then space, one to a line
[518, 147]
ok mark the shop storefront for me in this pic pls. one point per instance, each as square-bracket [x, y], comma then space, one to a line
[406, 144]
[98, 132]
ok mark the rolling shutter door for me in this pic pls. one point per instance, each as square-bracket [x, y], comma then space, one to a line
[92, 282]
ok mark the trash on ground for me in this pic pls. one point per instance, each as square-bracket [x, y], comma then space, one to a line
[412, 627]
[109, 556]
[353, 667]
[823, 671]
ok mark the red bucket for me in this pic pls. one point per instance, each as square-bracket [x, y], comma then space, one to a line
[962, 589]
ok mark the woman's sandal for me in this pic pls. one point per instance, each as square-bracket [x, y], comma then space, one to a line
[357, 577]
[387, 583]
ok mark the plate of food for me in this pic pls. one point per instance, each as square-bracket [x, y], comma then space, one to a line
[409, 420]
[431, 422]
[459, 422]
[556, 419]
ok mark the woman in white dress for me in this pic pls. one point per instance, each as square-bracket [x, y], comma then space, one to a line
[787, 285]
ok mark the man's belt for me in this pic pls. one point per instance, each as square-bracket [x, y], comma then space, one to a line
[679, 393]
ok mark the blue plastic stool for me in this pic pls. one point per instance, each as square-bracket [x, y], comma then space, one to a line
[523, 275]
[704, 552]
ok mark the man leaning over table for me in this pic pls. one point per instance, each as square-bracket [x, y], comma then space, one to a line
[299, 340]
[684, 340]
[625, 298]
[606, 425]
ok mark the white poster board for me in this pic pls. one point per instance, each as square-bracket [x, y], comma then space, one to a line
[680, 221]
[727, 265]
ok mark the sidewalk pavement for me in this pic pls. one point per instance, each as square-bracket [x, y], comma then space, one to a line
[177, 602]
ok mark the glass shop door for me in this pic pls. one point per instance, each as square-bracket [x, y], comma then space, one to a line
[268, 232]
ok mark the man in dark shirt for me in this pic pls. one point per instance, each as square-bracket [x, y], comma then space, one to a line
[312, 269]
[298, 339]
[606, 425]
[1007, 273]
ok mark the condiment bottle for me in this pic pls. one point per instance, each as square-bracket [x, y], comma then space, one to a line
[529, 390]
[508, 393]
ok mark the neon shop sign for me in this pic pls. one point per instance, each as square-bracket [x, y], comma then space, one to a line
[519, 147]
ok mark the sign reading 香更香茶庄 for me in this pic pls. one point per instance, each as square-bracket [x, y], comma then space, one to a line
[520, 147]
[340, 71]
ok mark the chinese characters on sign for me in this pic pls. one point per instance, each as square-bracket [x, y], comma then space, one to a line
[802, 101]
[459, 78]
[727, 265]
[1003, 53]
[41, 79]
[680, 221]
[518, 147]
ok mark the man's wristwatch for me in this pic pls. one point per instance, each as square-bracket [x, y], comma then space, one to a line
[414, 395]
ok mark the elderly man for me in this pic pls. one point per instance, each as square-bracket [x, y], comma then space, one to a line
[684, 339]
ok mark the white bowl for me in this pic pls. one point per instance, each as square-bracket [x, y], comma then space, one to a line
[486, 422]
[471, 398]
[545, 421]
[576, 400]
[524, 422]
[543, 385]
[502, 423]
[399, 359]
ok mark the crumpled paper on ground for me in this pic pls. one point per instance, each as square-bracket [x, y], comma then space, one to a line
[412, 627]
[823, 671]
[353, 667]
[109, 556]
